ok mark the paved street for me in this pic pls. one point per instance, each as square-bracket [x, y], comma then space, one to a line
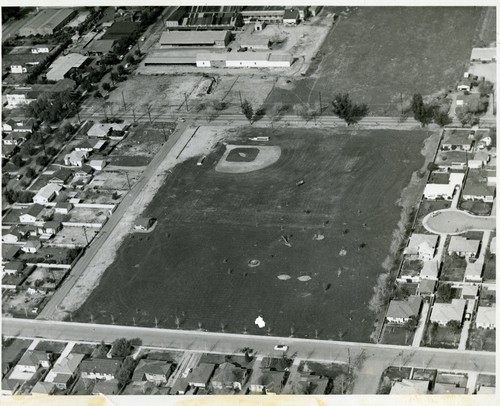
[376, 357]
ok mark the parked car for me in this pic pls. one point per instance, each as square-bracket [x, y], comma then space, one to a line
[281, 347]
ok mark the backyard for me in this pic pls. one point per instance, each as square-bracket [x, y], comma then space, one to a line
[415, 50]
[212, 224]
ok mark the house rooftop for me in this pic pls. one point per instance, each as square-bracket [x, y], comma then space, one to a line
[430, 270]
[101, 365]
[427, 286]
[33, 358]
[486, 315]
[462, 244]
[445, 312]
[228, 372]
[404, 308]
[48, 191]
[410, 387]
[201, 374]
[429, 241]
[34, 210]
[476, 185]
[151, 366]
[43, 387]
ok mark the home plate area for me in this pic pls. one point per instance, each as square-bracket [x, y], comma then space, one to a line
[247, 158]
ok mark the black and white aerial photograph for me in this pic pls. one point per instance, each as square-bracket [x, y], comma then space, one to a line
[248, 200]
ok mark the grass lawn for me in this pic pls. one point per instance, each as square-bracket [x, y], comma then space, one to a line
[13, 349]
[490, 271]
[211, 224]
[87, 349]
[444, 337]
[123, 160]
[378, 54]
[424, 374]
[453, 268]
[411, 267]
[459, 379]
[481, 339]
[397, 335]
[169, 356]
[390, 375]
[486, 380]
[426, 207]
[476, 207]
[51, 346]
[487, 297]
[331, 370]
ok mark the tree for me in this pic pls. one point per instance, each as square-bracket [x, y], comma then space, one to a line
[247, 110]
[100, 351]
[120, 69]
[42, 160]
[275, 112]
[17, 161]
[106, 86]
[411, 324]
[130, 59]
[455, 326]
[441, 118]
[121, 347]
[238, 22]
[485, 88]
[444, 292]
[344, 108]
[30, 172]
[421, 112]
[125, 372]
[466, 117]
[340, 384]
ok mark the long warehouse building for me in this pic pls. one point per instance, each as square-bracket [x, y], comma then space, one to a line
[47, 22]
[217, 39]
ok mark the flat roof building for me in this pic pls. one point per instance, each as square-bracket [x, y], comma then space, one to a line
[483, 55]
[47, 21]
[218, 39]
[64, 64]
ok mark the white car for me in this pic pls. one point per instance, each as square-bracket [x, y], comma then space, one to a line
[281, 347]
[186, 372]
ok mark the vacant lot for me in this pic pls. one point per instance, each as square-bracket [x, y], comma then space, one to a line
[380, 54]
[211, 224]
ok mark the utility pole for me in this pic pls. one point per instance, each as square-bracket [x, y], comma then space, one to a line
[85, 233]
[241, 100]
[112, 320]
[164, 133]
[349, 359]
[320, 104]
[128, 180]
[149, 114]
[91, 318]
[156, 322]
[186, 99]
[133, 112]
[401, 95]
[133, 320]
[124, 104]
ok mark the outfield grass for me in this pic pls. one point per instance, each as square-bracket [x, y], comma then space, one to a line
[211, 224]
[378, 54]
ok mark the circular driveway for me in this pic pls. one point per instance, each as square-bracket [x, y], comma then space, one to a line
[452, 221]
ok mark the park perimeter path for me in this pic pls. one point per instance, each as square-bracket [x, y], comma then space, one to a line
[101, 252]
[452, 221]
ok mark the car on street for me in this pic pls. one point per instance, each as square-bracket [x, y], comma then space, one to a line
[281, 347]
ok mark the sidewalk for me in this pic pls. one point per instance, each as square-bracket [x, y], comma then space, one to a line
[464, 335]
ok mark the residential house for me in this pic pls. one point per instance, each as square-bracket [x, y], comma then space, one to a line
[47, 193]
[48, 229]
[12, 235]
[9, 252]
[40, 49]
[410, 387]
[444, 190]
[34, 359]
[11, 386]
[97, 164]
[477, 188]
[442, 313]
[479, 160]
[484, 142]
[483, 55]
[102, 130]
[469, 292]
[448, 389]
[430, 270]
[310, 384]
[229, 377]
[458, 140]
[465, 84]
[474, 271]
[422, 245]
[28, 230]
[180, 387]
[76, 158]
[401, 311]
[16, 138]
[43, 388]
[200, 375]
[63, 207]
[291, 17]
[65, 371]
[106, 387]
[9, 150]
[486, 317]
[86, 145]
[269, 382]
[491, 177]
[18, 126]
[451, 160]
[61, 176]
[31, 246]
[100, 368]
[463, 247]
[32, 215]
[153, 371]
[427, 287]
[83, 172]
[18, 69]
[12, 267]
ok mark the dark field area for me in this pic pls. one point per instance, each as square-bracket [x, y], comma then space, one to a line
[242, 155]
[210, 224]
[377, 54]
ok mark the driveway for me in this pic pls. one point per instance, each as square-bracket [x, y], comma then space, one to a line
[454, 222]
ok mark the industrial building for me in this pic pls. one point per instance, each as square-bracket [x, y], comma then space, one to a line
[64, 65]
[217, 39]
[256, 42]
[121, 29]
[244, 60]
[275, 15]
[47, 22]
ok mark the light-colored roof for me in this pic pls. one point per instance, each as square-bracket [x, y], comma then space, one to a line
[102, 129]
[410, 387]
[403, 309]
[48, 18]
[435, 189]
[474, 269]
[470, 290]
[430, 270]
[43, 387]
[476, 185]
[247, 56]
[444, 312]
[76, 155]
[64, 64]
[49, 190]
[448, 388]
[493, 245]
[427, 286]
[483, 53]
[486, 315]
[255, 40]
[279, 57]
[419, 242]
[191, 37]
[462, 244]
[201, 374]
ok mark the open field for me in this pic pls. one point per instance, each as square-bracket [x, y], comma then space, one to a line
[379, 55]
[211, 224]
